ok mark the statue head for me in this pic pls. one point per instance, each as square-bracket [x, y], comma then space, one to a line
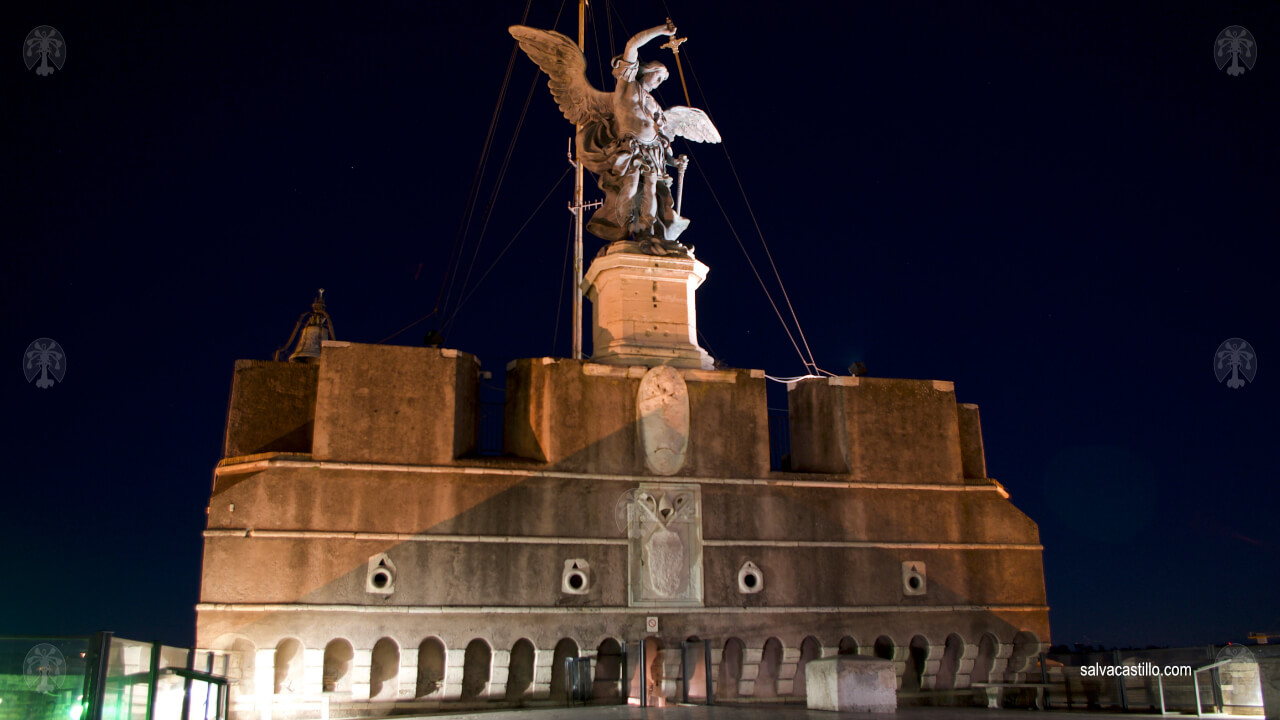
[652, 74]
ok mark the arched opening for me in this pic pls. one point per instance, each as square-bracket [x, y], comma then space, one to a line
[608, 670]
[884, 648]
[632, 680]
[917, 658]
[288, 662]
[565, 649]
[770, 660]
[1026, 646]
[475, 669]
[988, 648]
[653, 656]
[653, 670]
[242, 661]
[338, 655]
[810, 649]
[695, 660]
[520, 672]
[384, 670]
[731, 668]
[430, 667]
[949, 666]
[847, 646]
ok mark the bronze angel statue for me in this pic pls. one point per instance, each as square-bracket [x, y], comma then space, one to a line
[624, 137]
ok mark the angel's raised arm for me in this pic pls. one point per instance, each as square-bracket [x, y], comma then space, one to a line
[632, 53]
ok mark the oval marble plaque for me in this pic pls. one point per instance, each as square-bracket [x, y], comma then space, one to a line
[662, 404]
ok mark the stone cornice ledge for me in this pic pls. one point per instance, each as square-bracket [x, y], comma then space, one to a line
[264, 461]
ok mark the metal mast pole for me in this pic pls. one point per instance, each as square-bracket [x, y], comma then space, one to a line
[577, 210]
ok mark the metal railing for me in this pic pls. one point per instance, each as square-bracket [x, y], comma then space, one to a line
[1150, 686]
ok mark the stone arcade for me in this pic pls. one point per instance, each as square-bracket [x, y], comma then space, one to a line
[361, 552]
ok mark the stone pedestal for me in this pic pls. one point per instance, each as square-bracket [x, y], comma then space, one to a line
[851, 683]
[642, 308]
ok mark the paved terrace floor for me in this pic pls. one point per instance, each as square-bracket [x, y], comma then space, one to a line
[771, 712]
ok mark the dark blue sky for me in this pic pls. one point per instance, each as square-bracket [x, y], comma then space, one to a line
[1062, 207]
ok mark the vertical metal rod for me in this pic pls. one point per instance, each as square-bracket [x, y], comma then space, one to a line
[186, 687]
[577, 210]
[685, 675]
[644, 681]
[1160, 684]
[1124, 698]
[1218, 702]
[208, 668]
[1042, 693]
[624, 687]
[706, 658]
[96, 688]
[1195, 679]
[152, 677]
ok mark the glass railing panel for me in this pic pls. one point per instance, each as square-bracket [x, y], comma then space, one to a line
[174, 657]
[127, 689]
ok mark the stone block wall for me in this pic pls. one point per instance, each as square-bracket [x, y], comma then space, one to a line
[580, 416]
[393, 404]
[889, 475]
[272, 408]
[876, 429]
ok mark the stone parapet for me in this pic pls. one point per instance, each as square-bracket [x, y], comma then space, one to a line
[388, 403]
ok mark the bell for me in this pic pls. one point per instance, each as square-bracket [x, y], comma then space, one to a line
[308, 350]
[318, 327]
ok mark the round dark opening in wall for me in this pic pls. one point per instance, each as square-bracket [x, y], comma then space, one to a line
[750, 580]
[576, 581]
[381, 579]
[914, 582]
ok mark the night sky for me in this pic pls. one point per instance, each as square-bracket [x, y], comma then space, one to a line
[1064, 208]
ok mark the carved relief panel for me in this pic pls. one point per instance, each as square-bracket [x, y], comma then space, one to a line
[664, 532]
[662, 404]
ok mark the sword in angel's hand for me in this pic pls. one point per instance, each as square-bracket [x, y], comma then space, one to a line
[682, 163]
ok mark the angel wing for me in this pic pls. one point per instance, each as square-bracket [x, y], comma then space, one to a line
[560, 58]
[691, 123]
